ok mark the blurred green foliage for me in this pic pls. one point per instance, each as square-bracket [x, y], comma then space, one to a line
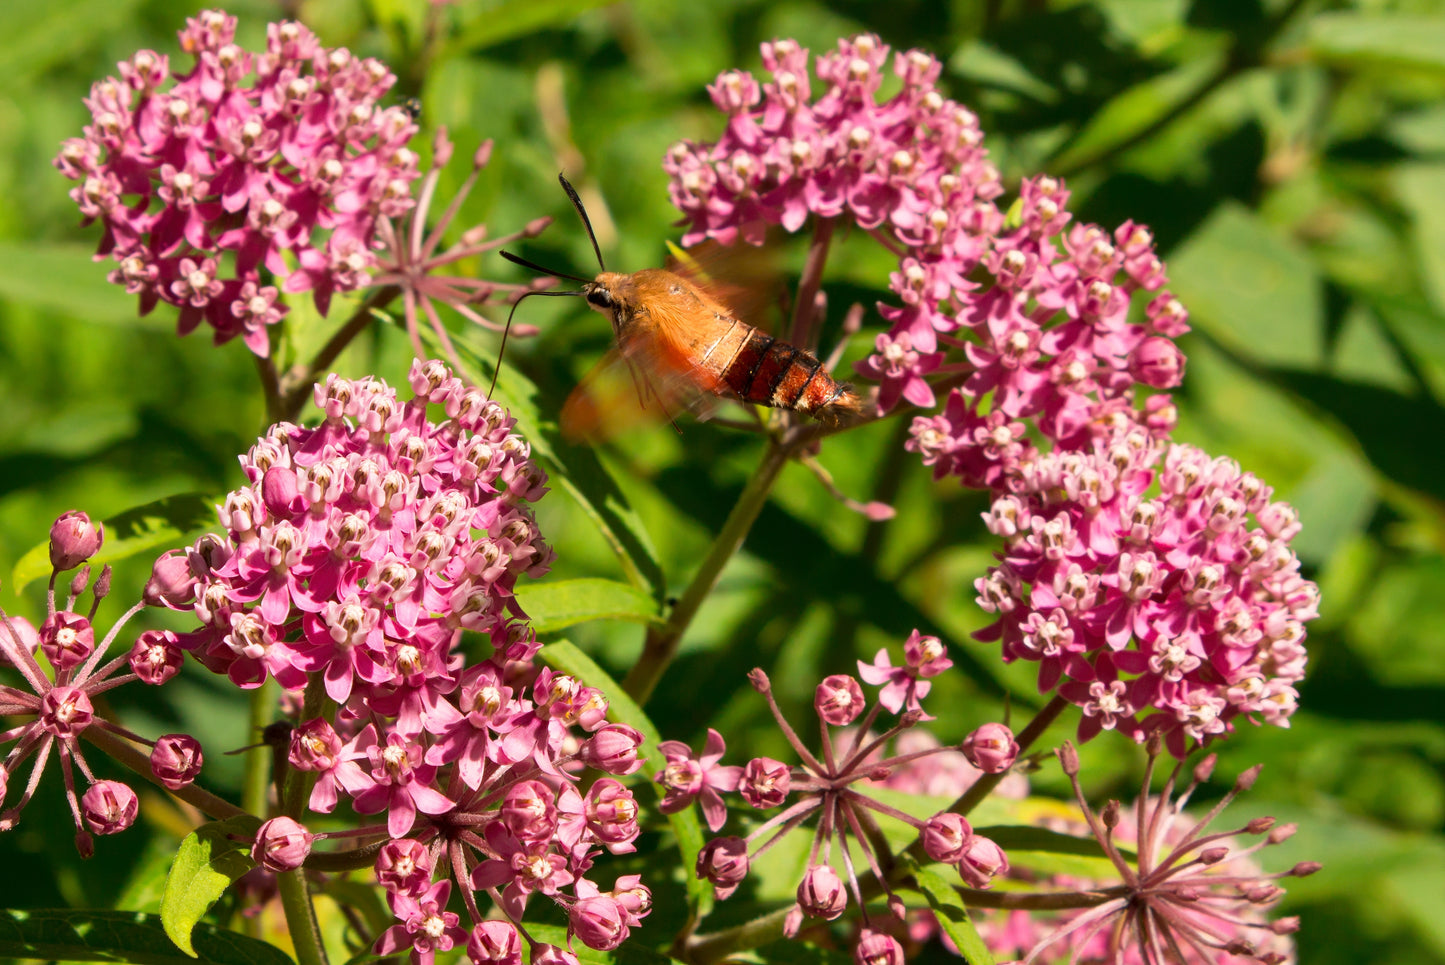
[1289, 156]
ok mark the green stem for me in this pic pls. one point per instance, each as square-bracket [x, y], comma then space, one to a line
[257, 778]
[301, 918]
[705, 949]
[662, 642]
[296, 383]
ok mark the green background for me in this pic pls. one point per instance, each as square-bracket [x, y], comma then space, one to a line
[1290, 159]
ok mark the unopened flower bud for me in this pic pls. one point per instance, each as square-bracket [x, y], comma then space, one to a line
[599, 921]
[876, 948]
[724, 862]
[80, 581]
[839, 700]
[176, 760]
[759, 680]
[102, 585]
[1157, 362]
[1304, 869]
[945, 837]
[108, 807]
[282, 844]
[821, 893]
[981, 861]
[991, 748]
[1285, 926]
[1259, 825]
[1069, 759]
[85, 844]
[1282, 833]
[1110, 815]
[74, 539]
[1204, 770]
[552, 955]
[494, 942]
[613, 749]
[1213, 855]
[1247, 779]
[765, 782]
[172, 583]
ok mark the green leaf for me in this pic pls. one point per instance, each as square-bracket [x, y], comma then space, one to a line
[1374, 40]
[63, 934]
[62, 278]
[1052, 853]
[1421, 188]
[553, 606]
[494, 24]
[952, 914]
[56, 33]
[162, 524]
[210, 858]
[1132, 112]
[1251, 289]
[565, 656]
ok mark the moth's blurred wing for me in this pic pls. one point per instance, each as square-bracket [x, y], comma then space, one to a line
[626, 391]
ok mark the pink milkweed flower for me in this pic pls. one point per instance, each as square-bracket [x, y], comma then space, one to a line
[991, 748]
[426, 926]
[687, 777]
[924, 657]
[73, 540]
[282, 844]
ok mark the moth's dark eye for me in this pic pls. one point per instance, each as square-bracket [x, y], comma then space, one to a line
[600, 297]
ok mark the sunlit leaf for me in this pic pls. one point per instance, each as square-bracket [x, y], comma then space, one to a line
[1378, 40]
[553, 606]
[62, 278]
[494, 23]
[150, 528]
[209, 859]
[952, 914]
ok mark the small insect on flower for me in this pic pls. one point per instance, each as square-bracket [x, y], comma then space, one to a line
[682, 345]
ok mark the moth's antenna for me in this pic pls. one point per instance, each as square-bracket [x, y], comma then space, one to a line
[532, 265]
[586, 222]
[501, 350]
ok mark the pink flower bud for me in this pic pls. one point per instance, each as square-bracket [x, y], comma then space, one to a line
[981, 861]
[315, 746]
[65, 711]
[991, 748]
[946, 837]
[821, 893]
[404, 866]
[765, 782]
[108, 807]
[74, 539]
[613, 749]
[724, 862]
[552, 955]
[176, 760]
[530, 811]
[156, 656]
[599, 922]
[282, 844]
[172, 583]
[876, 948]
[494, 942]
[839, 700]
[611, 812]
[67, 639]
[1157, 362]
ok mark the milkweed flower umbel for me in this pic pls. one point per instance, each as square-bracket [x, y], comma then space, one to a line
[1154, 586]
[249, 168]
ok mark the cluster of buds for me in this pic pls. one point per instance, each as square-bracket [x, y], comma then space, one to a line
[249, 166]
[60, 702]
[833, 786]
[356, 562]
[1169, 609]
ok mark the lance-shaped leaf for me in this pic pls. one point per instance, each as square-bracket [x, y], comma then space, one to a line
[952, 914]
[210, 858]
[70, 935]
[553, 606]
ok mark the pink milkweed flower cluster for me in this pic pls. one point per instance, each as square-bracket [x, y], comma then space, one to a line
[1190, 896]
[833, 786]
[1155, 587]
[1036, 310]
[61, 702]
[356, 559]
[249, 166]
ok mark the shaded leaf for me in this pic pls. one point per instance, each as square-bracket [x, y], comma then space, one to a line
[1378, 40]
[1251, 289]
[62, 278]
[155, 526]
[497, 23]
[952, 914]
[565, 656]
[1422, 189]
[209, 859]
[121, 936]
[632, 952]
[553, 606]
